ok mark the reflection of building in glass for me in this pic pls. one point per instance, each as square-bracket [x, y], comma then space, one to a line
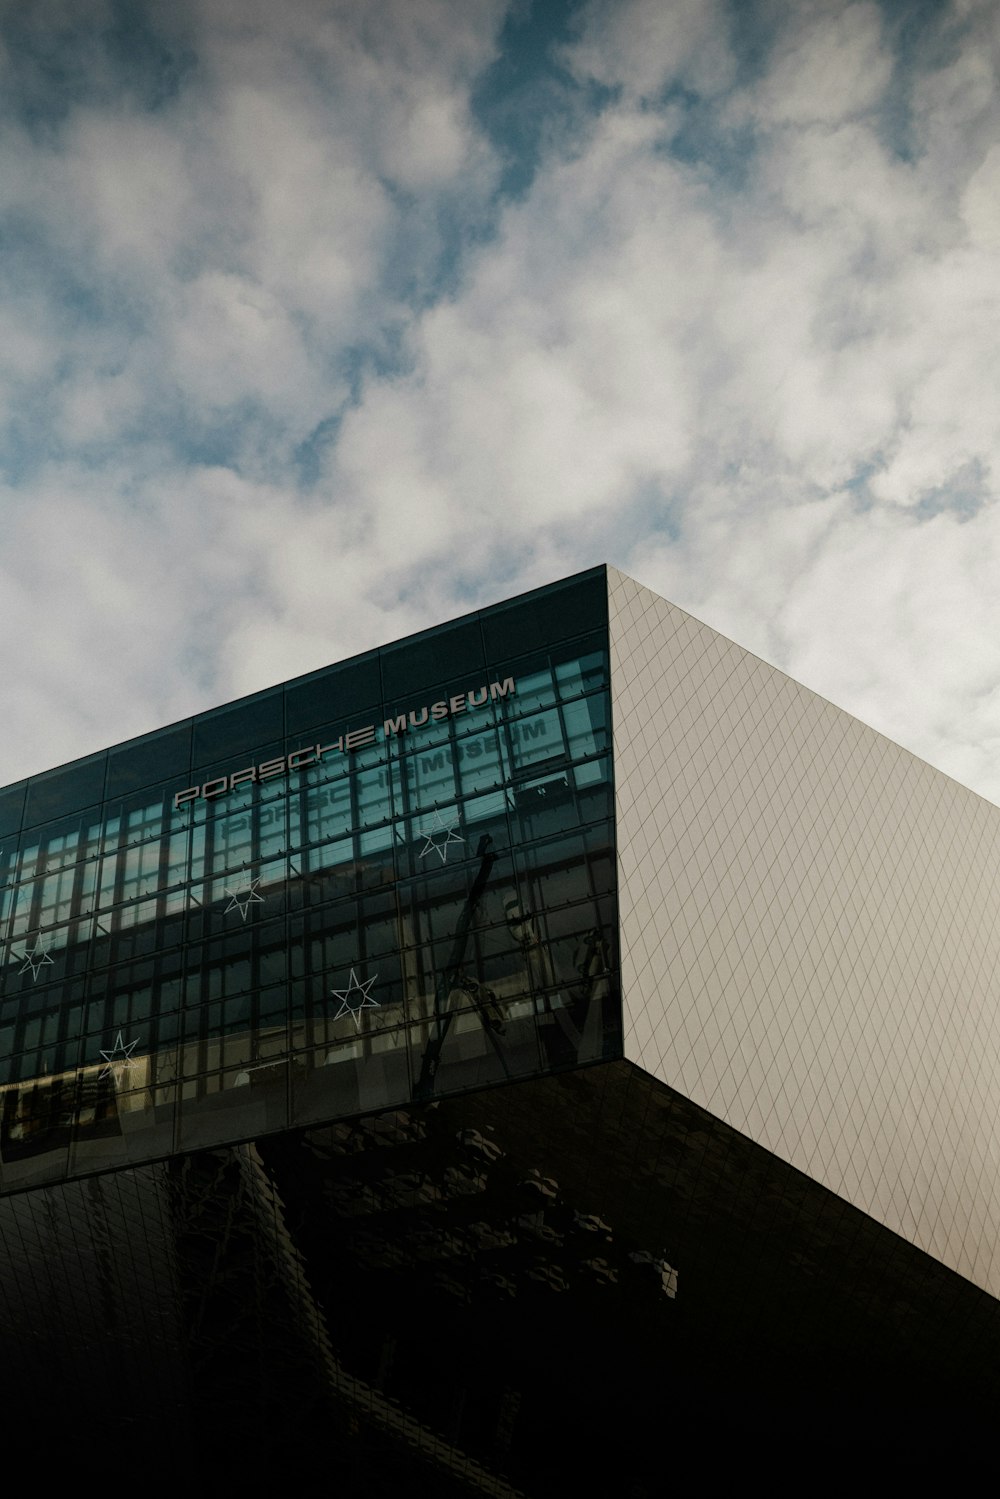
[451, 1060]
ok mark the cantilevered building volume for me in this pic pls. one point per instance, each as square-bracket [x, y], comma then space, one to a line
[446, 1064]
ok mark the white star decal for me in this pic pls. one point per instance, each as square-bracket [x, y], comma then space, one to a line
[438, 838]
[243, 897]
[35, 959]
[355, 998]
[118, 1060]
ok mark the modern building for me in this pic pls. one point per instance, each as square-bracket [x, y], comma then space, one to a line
[452, 1066]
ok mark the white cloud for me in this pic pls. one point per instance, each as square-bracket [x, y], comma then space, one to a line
[644, 45]
[553, 384]
[829, 66]
[981, 204]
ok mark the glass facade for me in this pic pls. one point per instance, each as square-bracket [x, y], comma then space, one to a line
[388, 881]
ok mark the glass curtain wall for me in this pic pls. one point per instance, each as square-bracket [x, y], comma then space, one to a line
[428, 911]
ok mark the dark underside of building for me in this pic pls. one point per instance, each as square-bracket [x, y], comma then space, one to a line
[530, 1289]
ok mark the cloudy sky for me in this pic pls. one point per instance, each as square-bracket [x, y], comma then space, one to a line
[324, 321]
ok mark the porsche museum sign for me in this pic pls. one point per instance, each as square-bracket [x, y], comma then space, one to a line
[348, 742]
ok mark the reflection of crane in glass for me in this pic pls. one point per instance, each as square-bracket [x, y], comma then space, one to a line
[453, 979]
[567, 1004]
[539, 976]
[572, 1007]
[593, 964]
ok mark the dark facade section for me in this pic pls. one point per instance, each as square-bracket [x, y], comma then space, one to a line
[531, 1289]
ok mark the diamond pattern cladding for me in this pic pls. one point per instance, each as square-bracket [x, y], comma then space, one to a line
[809, 930]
